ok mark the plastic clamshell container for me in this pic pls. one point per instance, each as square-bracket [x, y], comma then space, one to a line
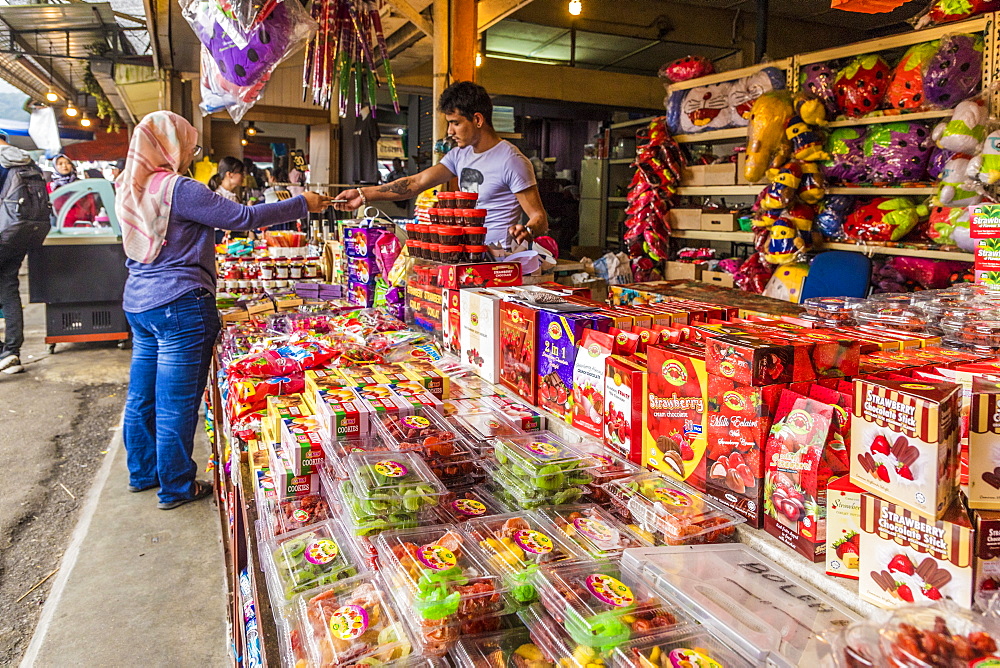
[297, 512]
[887, 315]
[608, 466]
[309, 557]
[336, 453]
[433, 438]
[533, 493]
[461, 506]
[696, 649]
[594, 530]
[486, 425]
[517, 544]
[349, 621]
[832, 308]
[759, 608]
[675, 513]
[911, 631]
[498, 649]
[440, 576]
[544, 460]
[387, 476]
[362, 517]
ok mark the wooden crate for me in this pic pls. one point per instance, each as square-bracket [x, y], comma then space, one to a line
[720, 221]
[685, 219]
[683, 270]
[721, 278]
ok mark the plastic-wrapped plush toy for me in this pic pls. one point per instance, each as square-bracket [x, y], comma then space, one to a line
[884, 219]
[939, 158]
[753, 274]
[966, 130]
[781, 192]
[700, 109]
[686, 68]
[812, 188]
[784, 243]
[942, 223]
[860, 87]
[955, 71]
[946, 11]
[807, 143]
[802, 216]
[846, 149]
[818, 80]
[985, 167]
[744, 92]
[787, 281]
[830, 221]
[897, 152]
[767, 145]
[954, 188]
[907, 88]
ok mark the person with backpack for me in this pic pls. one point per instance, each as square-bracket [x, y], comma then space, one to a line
[25, 220]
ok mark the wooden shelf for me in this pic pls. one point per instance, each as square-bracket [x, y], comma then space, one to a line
[621, 161]
[618, 200]
[867, 249]
[720, 190]
[874, 120]
[731, 75]
[712, 135]
[631, 124]
[888, 191]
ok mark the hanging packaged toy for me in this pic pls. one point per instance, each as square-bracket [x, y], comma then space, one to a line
[784, 243]
[807, 143]
[781, 192]
[683, 69]
[818, 80]
[847, 156]
[955, 72]
[954, 188]
[897, 152]
[985, 167]
[812, 188]
[907, 88]
[744, 92]
[884, 219]
[217, 93]
[830, 221]
[767, 145]
[860, 87]
[966, 130]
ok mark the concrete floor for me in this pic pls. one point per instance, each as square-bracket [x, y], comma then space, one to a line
[135, 585]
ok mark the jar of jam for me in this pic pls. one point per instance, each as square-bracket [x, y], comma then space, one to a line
[474, 217]
[281, 268]
[311, 269]
[251, 270]
[466, 200]
[230, 269]
[434, 252]
[450, 235]
[419, 249]
[295, 269]
[266, 269]
[477, 253]
[411, 247]
[451, 253]
[446, 200]
[411, 230]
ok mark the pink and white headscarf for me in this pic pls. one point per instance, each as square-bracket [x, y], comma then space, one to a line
[161, 142]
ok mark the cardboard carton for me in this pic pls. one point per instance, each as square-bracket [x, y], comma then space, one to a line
[479, 330]
[625, 390]
[843, 528]
[519, 350]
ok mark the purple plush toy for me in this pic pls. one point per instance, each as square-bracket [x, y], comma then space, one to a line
[818, 80]
[955, 71]
[897, 152]
[846, 149]
[939, 158]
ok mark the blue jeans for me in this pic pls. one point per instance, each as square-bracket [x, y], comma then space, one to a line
[172, 350]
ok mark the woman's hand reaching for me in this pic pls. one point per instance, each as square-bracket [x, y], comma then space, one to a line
[317, 203]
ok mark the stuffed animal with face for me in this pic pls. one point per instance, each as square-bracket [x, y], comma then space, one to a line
[861, 85]
[985, 167]
[807, 143]
[781, 192]
[705, 108]
[744, 92]
[955, 71]
[812, 188]
[966, 130]
[767, 145]
[954, 188]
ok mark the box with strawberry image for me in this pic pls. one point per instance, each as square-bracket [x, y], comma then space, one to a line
[624, 394]
[798, 466]
[483, 275]
[518, 350]
[558, 338]
[843, 527]
[904, 442]
[911, 557]
[674, 414]
[479, 329]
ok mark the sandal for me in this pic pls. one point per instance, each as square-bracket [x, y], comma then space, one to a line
[201, 490]
[134, 489]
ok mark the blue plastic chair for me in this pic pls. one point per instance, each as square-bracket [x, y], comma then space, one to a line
[838, 274]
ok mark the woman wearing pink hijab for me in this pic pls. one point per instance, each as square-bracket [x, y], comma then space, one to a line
[168, 226]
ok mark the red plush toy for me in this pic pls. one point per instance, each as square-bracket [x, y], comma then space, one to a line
[689, 67]
[860, 87]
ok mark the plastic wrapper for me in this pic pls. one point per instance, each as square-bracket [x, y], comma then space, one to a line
[540, 468]
[753, 274]
[284, 360]
[954, 187]
[594, 530]
[247, 13]
[884, 219]
[608, 466]
[744, 92]
[830, 221]
[860, 86]
[846, 149]
[442, 584]
[906, 92]
[246, 395]
[965, 131]
[479, 428]
[348, 622]
[781, 193]
[427, 434]
[688, 67]
[833, 310]
[512, 647]
[460, 506]
[297, 512]
[217, 93]
[897, 152]
[310, 557]
[767, 145]
[954, 73]
[517, 544]
[812, 188]
[387, 491]
[887, 315]
[939, 158]
[818, 79]
[946, 11]
[680, 649]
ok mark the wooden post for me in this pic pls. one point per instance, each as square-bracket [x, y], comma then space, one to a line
[464, 40]
[440, 64]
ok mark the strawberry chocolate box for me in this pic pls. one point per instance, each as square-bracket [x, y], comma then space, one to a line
[904, 442]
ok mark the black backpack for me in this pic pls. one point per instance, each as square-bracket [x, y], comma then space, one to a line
[25, 210]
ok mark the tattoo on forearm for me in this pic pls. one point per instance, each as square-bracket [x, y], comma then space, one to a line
[399, 187]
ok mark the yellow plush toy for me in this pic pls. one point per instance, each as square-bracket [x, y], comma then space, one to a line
[767, 145]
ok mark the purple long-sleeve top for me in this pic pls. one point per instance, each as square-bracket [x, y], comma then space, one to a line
[187, 260]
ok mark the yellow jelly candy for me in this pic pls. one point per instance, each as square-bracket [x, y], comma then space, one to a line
[530, 652]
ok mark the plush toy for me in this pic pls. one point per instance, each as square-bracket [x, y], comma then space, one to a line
[818, 79]
[705, 108]
[807, 144]
[802, 216]
[781, 192]
[847, 155]
[961, 234]
[688, 67]
[744, 92]
[787, 281]
[966, 130]
[767, 145]
[942, 222]
[753, 274]
[946, 11]
[897, 152]
[884, 219]
[830, 221]
[926, 273]
[985, 167]
[939, 158]
[812, 188]
[860, 87]
[955, 71]
[784, 242]
[953, 188]
[907, 88]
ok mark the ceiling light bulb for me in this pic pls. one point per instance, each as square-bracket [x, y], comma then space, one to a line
[479, 60]
[400, 131]
[85, 122]
[251, 130]
[71, 110]
[243, 142]
[51, 96]
[575, 7]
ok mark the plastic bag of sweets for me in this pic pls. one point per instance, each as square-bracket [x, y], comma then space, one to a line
[292, 357]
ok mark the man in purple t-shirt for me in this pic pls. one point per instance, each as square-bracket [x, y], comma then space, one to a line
[483, 163]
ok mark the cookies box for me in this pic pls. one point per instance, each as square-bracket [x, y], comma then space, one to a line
[345, 415]
[911, 557]
[588, 381]
[624, 395]
[451, 320]
[558, 338]
[524, 417]
[738, 422]
[904, 442]
[519, 350]
[984, 445]
[479, 330]
[302, 443]
[843, 528]
[482, 275]
[674, 439]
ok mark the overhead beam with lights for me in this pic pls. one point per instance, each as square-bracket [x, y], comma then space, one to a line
[492, 12]
[413, 16]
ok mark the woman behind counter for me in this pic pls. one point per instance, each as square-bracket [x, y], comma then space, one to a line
[228, 181]
[168, 224]
[85, 210]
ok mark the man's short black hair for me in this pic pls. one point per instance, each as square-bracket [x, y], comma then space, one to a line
[467, 99]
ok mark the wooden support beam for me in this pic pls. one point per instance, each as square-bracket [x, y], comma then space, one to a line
[493, 11]
[440, 65]
[464, 40]
[413, 16]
